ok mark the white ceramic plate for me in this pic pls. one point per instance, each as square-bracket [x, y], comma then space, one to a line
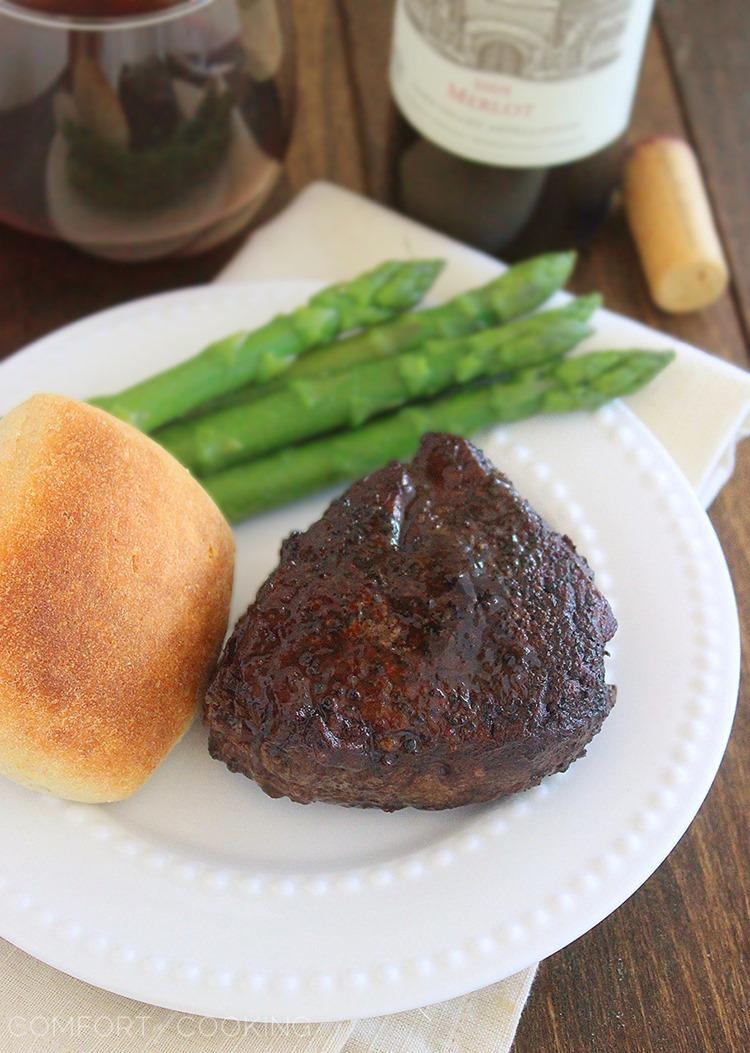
[201, 894]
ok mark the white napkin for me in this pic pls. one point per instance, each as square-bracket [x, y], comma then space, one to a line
[699, 409]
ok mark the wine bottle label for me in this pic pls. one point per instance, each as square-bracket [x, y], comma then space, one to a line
[518, 83]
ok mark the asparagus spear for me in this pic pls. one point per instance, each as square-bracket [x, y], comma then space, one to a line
[315, 405]
[579, 383]
[519, 290]
[259, 355]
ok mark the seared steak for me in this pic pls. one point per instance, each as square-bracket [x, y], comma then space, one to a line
[428, 642]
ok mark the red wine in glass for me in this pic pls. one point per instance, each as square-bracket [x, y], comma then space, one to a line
[142, 128]
[96, 8]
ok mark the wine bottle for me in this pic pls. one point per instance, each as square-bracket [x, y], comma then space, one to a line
[517, 112]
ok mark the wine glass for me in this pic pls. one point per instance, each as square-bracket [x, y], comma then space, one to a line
[142, 128]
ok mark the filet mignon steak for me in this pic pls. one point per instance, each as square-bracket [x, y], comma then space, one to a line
[429, 641]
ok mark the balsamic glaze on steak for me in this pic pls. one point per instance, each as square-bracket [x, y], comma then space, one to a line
[428, 642]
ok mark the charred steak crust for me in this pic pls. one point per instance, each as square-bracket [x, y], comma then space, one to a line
[428, 642]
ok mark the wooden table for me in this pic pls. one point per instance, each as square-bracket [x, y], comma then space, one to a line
[669, 970]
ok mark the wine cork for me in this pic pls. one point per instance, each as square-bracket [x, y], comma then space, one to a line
[670, 218]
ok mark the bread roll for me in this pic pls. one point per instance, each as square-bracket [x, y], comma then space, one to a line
[115, 580]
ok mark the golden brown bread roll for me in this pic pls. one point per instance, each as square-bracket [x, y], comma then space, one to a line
[115, 580]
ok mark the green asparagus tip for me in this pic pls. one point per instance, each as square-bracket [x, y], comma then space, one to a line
[579, 309]
[587, 368]
[567, 260]
[408, 281]
[583, 306]
[562, 264]
[591, 380]
[650, 364]
[664, 357]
